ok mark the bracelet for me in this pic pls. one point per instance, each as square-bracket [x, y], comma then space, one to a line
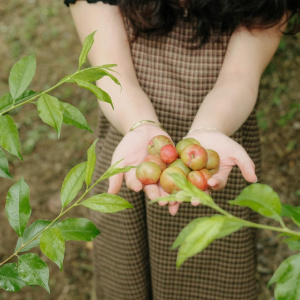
[201, 129]
[145, 122]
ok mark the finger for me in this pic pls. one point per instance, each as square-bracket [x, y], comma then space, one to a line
[195, 202]
[173, 209]
[115, 183]
[247, 168]
[132, 182]
[219, 180]
[152, 191]
[163, 193]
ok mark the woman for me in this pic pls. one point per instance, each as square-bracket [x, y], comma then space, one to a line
[192, 67]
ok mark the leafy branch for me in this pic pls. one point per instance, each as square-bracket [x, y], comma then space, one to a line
[51, 236]
[262, 199]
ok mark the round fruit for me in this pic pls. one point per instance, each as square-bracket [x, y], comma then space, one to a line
[168, 154]
[180, 164]
[157, 143]
[194, 156]
[185, 142]
[213, 159]
[148, 172]
[156, 159]
[198, 180]
[167, 182]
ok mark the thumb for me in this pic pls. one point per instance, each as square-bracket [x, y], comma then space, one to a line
[115, 183]
[247, 167]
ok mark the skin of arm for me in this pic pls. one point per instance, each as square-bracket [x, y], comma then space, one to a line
[227, 106]
[111, 46]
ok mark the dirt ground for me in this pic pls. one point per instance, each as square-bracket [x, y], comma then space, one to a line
[46, 29]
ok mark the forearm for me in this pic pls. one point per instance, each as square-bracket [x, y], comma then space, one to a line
[111, 45]
[227, 106]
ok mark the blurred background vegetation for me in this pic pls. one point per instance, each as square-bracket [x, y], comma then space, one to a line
[46, 29]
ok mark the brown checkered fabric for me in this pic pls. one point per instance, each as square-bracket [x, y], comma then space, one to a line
[133, 259]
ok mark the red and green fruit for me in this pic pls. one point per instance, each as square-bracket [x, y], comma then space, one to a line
[156, 159]
[198, 180]
[213, 159]
[167, 182]
[180, 164]
[168, 154]
[214, 171]
[194, 156]
[156, 143]
[185, 142]
[148, 172]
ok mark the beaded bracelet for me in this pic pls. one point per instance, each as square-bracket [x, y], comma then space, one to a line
[145, 122]
[202, 128]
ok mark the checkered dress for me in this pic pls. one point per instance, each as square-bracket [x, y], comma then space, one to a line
[133, 259]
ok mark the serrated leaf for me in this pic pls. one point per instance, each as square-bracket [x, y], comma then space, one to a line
[33, 270]
[261, 198]
[50, 111]
[10, 280]
[7, 101]
[9, 136]
[72, 184]
[287, 278]
[17, 206]
[52, 245]
[291, 212]
[73, 116]
[21, 74]
[106, 203]
[30, 232]
[4, 171]
[91, 162]
[113, 170]
[186, 231]
[90, 75]
[99, 93]
[199, 238]
[86, 47]
[78, 229]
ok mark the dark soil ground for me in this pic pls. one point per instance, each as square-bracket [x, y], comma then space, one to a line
[46, 29]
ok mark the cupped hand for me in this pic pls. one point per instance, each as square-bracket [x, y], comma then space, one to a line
[231, 153]
[133, 150]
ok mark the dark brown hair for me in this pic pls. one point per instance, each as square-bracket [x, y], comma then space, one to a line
[211, 16]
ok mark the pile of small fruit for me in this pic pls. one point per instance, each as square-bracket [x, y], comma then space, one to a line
[188, 159]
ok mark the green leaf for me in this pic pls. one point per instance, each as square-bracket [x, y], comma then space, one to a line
[33, 270]
[99, 93]
[293, 244]
[72, 184]
[90, 75]
[73, 116]
[106, 203]
[21, 75]
[86, 47]
[112, 77]
[287, 277]
[52, 245]
[30, 232]
[10, 280]
[78, 229]
[91, 162]
[113, 170]
[291, 212]
[9, 136]
[192, 190]
[7, 101]
[203, 234]
[186, 231]
[50, 111]
[4, 171]
[108, 66]
[260, 198]
[17, 207]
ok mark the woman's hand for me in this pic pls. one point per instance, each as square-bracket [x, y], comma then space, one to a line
[231, 154]
[133, 148]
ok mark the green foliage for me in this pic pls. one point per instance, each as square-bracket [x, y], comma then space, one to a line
[91, 161]
[287, 278]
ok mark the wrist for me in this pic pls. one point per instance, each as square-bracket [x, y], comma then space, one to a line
[144, 123]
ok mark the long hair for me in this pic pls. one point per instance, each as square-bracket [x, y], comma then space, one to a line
[212, 16]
